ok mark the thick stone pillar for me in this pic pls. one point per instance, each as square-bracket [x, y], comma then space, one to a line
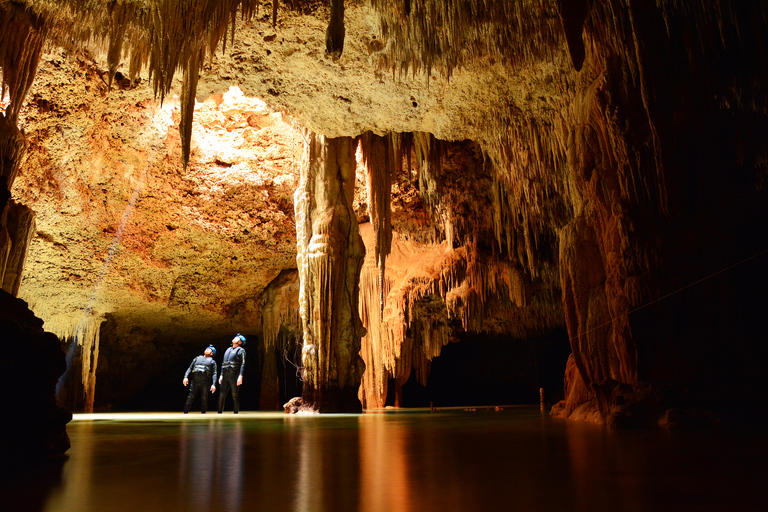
[330, 257]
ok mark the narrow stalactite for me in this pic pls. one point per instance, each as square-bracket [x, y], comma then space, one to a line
[22, 34]
[77, 387]
[188, 90]
[329, 257]
[19, 222]
[116, 37]
[334, 35]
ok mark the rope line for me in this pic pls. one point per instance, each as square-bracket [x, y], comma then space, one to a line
[674, 292]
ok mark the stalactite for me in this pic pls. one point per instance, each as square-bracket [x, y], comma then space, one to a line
[164, 35]
[482, 295]
[334, 35]
[78, 384]
[116, 37]
[279, 307]
[20, 223]
[443, 34]
[383, 160]
[188, 91]
[21, 40]
[13, 146]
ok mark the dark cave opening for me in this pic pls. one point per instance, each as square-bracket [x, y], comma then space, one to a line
[485, 370]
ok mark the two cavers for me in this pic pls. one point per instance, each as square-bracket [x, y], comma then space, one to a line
[203, 372]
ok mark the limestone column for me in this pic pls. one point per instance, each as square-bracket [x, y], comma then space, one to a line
[329, 257]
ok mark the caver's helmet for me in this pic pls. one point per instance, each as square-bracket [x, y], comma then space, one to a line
[241, 338]
[213, 349]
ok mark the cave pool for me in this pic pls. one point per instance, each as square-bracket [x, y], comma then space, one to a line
[513, 459]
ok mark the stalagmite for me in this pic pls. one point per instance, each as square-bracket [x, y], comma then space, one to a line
[330, 255]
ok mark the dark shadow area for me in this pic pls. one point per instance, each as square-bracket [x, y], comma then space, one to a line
[164, 390]
[27, 486]
[289, 373]
[492, 370]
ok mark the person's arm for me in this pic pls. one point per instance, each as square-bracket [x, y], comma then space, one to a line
[242, 366]
[213, 382]
[192, 365]
[223, 362]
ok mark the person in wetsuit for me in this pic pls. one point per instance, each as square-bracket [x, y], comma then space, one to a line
[203, 370]
[231, 377]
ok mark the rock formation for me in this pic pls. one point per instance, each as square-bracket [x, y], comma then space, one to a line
[330, 255]
[524, 165]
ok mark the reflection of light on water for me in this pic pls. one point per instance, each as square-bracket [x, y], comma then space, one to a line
[196, 465]
[229, 462]
[306, 487]
[384, 464]
[211, 465]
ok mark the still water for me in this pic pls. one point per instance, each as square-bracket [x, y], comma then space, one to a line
[511, 460]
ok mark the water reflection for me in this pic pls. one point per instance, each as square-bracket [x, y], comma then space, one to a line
[327, 467]
[384, 462]
[513, 460]
[211, 458]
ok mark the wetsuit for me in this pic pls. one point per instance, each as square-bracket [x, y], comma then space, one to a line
[231, 368]
[203, 370]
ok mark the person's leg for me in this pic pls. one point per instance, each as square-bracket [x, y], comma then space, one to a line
[205, 389]
[235, 392]
[191, 395]
[223, 392]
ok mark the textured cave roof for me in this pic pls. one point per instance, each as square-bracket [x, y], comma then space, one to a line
[462, 87]
[504, 59]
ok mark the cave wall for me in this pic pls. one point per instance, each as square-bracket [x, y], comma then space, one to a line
[666, 161]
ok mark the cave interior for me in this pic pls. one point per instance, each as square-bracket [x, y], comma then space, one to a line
[400, 204]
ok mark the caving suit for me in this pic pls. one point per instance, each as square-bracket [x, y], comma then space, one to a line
[231, 368]
[203, 375]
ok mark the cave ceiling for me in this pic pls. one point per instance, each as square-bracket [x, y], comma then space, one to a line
[124, 228]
